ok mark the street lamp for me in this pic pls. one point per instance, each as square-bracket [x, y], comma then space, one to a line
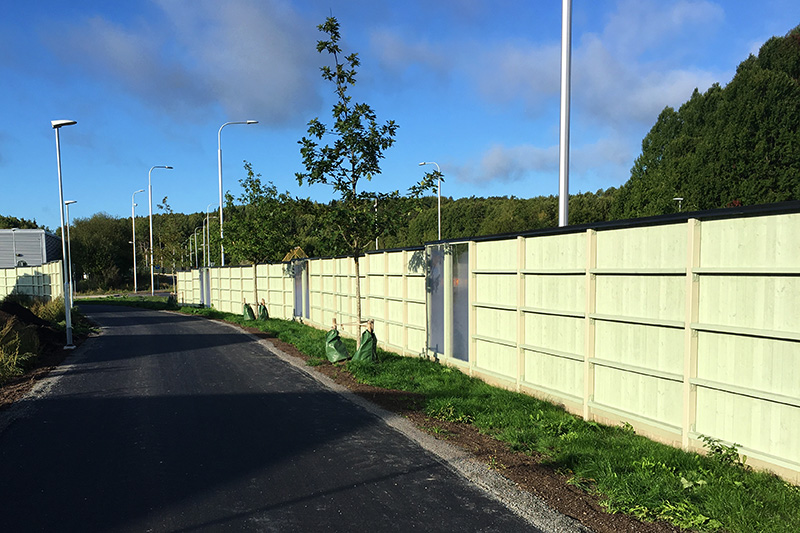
[680, 203]
[196, 253]
[219, 166]
[207, 238]
[566, 90]
[69, 252]
[57, 125]
[208, 233]
[150, 203]
[438, 193]
[133, 227]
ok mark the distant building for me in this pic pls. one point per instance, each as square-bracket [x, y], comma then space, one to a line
[28, 247]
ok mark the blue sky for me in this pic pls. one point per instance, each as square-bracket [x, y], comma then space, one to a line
[472, 84]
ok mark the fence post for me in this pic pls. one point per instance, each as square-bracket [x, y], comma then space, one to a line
[404, 289]
[692, 294]
[385, 256]
[589, 325]
[473, 298]
[520, 314]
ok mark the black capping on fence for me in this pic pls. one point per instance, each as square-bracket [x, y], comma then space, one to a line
[406, 249]
[779, 208]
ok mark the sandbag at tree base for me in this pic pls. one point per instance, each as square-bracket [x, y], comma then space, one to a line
[368, 349]
[334, 347]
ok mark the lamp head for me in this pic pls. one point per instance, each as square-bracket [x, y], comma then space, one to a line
[168, 167]
[251, 122]
[70, 202]
[423, 163]
[58, 123]
[140, 190]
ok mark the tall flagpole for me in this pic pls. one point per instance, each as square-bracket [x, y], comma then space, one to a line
[563, 143]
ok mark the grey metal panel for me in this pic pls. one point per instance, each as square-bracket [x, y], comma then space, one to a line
[34, 247]
[6, 250]
[52, 245]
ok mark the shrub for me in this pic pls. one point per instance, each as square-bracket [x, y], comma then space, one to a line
[18, 344]
[52, 311]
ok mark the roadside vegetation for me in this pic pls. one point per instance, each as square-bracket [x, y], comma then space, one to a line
[715, 491]
[29, 327]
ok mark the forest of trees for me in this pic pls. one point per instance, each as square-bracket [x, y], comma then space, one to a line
[14, 222]
[737, 145]
[730, 146]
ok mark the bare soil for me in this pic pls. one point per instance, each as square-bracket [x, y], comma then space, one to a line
[527, 471]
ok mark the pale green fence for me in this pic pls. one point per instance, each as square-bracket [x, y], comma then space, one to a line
[42, 281]
[682, 328]
[229, 287]
[392, 294]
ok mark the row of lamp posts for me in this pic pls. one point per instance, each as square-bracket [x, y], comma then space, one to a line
[67, 275]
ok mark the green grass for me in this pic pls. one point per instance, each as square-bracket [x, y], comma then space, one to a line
[632, 474]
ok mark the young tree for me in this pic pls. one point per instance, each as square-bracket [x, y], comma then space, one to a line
[261, 228]
[352, 221]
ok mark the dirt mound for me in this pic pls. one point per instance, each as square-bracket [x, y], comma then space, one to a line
[47, 335]
[23, 314]
[18, 337]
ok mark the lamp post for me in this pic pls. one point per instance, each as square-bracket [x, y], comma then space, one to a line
[133, 227]
[566, 88]
[207, 238]
[69, 253]
[150, 204]
[438, 193]
[679, 199]
[219, 167]
[208, 233]
[196, 252]
[57, 125]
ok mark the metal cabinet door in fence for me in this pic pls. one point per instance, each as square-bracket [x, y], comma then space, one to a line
[301, 289]
[447, 291]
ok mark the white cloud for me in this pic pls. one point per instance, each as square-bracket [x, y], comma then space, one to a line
[640, 25]
[396, 53]
[508, 164]
[513, 71]
[625, 73]
[609, 91]
[252, 58]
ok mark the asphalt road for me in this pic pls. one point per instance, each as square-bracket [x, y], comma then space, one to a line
[174, 423]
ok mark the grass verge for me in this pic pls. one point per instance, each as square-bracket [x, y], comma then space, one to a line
[631, 474]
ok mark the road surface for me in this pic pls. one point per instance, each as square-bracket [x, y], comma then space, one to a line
[174, 423]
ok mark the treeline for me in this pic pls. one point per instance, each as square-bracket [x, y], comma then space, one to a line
[21, 223]
[737, 145]
[271, 225]
[102, 247]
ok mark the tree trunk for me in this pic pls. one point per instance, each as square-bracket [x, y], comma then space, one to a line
[358, 301]
[255, 285]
